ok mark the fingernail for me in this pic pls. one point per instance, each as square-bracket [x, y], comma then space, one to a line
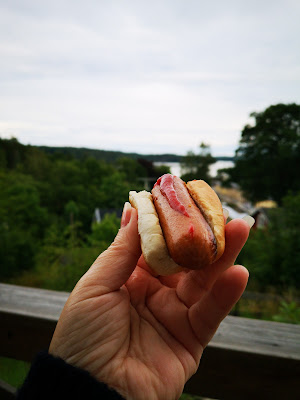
[225, 213]
[250, 220]
[126, 215]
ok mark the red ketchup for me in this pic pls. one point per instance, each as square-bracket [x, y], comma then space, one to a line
[166, 183]
[191, 230]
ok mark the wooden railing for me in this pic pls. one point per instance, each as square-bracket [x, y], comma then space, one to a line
[247, 359]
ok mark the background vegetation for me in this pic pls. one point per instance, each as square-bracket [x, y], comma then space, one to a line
[268, 157]
[47, 202]
[48, 196]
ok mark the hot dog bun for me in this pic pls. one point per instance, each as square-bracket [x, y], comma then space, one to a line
[209, 203]
[180, 226]
[153, 244]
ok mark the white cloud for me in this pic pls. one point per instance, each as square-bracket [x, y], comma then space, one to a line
[144, 76]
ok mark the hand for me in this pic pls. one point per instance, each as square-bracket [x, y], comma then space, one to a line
[140, 334]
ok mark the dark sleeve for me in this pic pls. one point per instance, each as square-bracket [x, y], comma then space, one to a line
[52, 378]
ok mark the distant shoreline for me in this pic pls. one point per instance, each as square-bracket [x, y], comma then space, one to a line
[111, 155]
[213, 169]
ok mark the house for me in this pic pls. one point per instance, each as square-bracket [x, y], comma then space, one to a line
[237, 206]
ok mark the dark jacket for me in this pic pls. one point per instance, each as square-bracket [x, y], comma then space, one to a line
[52, 378]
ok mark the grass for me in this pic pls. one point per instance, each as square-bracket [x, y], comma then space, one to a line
[13, 371]
[186, 396]
[59, 268]
[283, 308]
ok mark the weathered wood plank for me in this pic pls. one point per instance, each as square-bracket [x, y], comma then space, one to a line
[27, 319]
[259, 337]
[31, 301]
[246, 359]
[7, 392]
[228, 374]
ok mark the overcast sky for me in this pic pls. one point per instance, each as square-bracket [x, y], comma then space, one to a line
[145, 76]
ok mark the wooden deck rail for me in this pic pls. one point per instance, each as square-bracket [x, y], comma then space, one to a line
[247, 359]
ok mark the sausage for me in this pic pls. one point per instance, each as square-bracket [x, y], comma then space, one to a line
[189, 237]
[180, 225]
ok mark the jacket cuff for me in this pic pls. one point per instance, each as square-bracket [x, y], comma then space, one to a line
[52, 378]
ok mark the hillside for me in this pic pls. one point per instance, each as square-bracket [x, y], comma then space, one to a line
[111, 156]
[12, 152]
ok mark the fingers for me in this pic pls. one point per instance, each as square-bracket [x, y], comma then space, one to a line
[207, 314]
[142, 264]
[114, 266]
[226, 214]
[195, 284]
[236, 235]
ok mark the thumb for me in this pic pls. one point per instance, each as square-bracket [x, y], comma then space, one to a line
[115, 265]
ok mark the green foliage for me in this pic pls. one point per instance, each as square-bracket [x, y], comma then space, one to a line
[105, 231]
[17, 252]
[131, 169]
[59, 268]
[288, 312]
[47, 201]
[3, 161]
[94, 170]
[196, 166]
[68, 153]
[22, 222]
[150, 169]
[72, 230]
[36, 164]
[113, 191]
[162, 169]
[13, 372]
[269, 153]
[12, 153]
[273, 255]
[54, 235]
[20, 203]
[186, 396]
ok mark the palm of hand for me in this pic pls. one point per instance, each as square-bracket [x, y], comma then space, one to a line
[128, 336]
[146, 338]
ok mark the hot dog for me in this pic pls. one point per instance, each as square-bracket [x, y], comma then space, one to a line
[180, 225]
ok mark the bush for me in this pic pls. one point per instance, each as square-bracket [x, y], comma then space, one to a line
[60, 268]
[272, 255]
[105, 231]
[288, 312]
[17, 252]
[22, 223]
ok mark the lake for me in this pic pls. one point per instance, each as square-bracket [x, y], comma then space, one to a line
[176, 170]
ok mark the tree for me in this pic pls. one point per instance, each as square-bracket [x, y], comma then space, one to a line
[113, 192]
[272, 255]
[105, 231]
[22, 223]
[268, 157]
[132, 169]
[196, 166]
[13, 152]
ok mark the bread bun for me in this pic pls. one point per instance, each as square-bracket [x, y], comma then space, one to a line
[153, 244]
[210, 206]
[180, 226]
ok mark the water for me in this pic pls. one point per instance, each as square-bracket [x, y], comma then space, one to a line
[176, 170]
